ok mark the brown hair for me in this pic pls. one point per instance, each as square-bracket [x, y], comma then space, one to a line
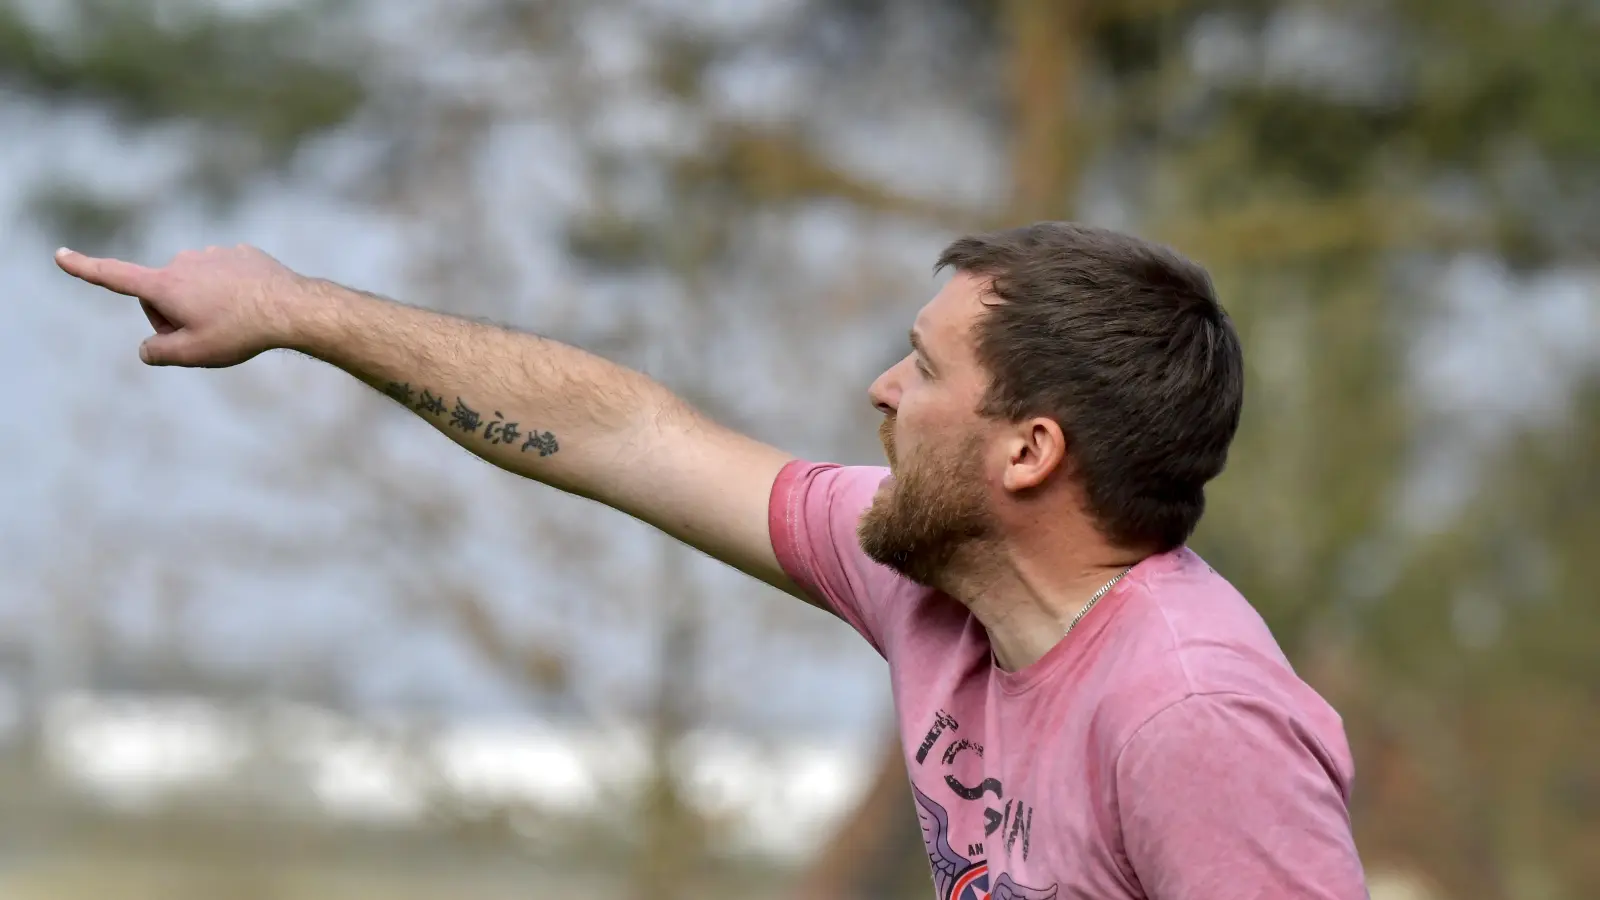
[1124, 344]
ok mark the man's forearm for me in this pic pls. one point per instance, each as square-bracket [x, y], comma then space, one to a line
[530, 405]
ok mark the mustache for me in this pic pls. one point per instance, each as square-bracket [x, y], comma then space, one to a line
[886, 437]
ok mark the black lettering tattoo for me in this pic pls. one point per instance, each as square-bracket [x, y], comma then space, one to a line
[400, 392]
[501, 432]
[544, 442]
[431, 404]
[469, 420]
[465, 418]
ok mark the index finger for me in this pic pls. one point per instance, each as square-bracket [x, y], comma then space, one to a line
[111, 274]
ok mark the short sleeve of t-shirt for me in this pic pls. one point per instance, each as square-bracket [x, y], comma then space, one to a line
[813, 514]
[1230, 796]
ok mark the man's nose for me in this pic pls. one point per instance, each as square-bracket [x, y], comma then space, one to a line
[885, 392]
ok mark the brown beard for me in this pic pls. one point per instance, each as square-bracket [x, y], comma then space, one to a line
[935, 510]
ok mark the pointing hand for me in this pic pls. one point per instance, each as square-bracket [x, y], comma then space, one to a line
[212, 309]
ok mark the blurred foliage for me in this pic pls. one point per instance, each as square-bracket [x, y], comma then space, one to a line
[1325, 160]
[258, 74]
[248, 89]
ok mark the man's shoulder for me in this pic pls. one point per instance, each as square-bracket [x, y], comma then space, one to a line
[1197, 628]
[1188, 633]
[812, 519]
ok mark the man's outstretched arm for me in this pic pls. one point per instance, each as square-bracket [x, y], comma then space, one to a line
[529, 405]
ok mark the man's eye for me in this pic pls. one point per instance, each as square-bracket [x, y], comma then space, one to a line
[923, 368]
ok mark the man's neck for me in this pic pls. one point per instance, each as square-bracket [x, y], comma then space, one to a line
[1026, 601]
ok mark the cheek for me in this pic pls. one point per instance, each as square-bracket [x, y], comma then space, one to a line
[916, 413]
[905, 439]
[920, 450]
[922, 424]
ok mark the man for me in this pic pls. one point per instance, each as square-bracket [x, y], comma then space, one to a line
[1087, 709]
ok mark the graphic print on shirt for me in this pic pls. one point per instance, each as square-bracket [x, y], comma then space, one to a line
[966, 877]
[954, 876]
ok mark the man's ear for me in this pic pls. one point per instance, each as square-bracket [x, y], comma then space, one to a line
[1036, 449]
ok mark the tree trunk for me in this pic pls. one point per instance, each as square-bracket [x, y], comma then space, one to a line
[672, 837]
[877, 854]
[1046, 57]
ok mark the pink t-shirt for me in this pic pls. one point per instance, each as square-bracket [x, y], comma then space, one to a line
[1164, 750]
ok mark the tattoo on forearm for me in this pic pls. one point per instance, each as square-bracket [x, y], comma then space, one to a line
[544, 442]
[400, 393]
[430, 404]
[464, 418]
[500, 431]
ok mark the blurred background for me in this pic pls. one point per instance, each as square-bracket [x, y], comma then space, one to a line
[263, 636]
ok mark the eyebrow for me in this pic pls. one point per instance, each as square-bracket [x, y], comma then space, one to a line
[917, 345]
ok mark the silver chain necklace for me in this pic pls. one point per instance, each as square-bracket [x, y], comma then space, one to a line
[1104, 590]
